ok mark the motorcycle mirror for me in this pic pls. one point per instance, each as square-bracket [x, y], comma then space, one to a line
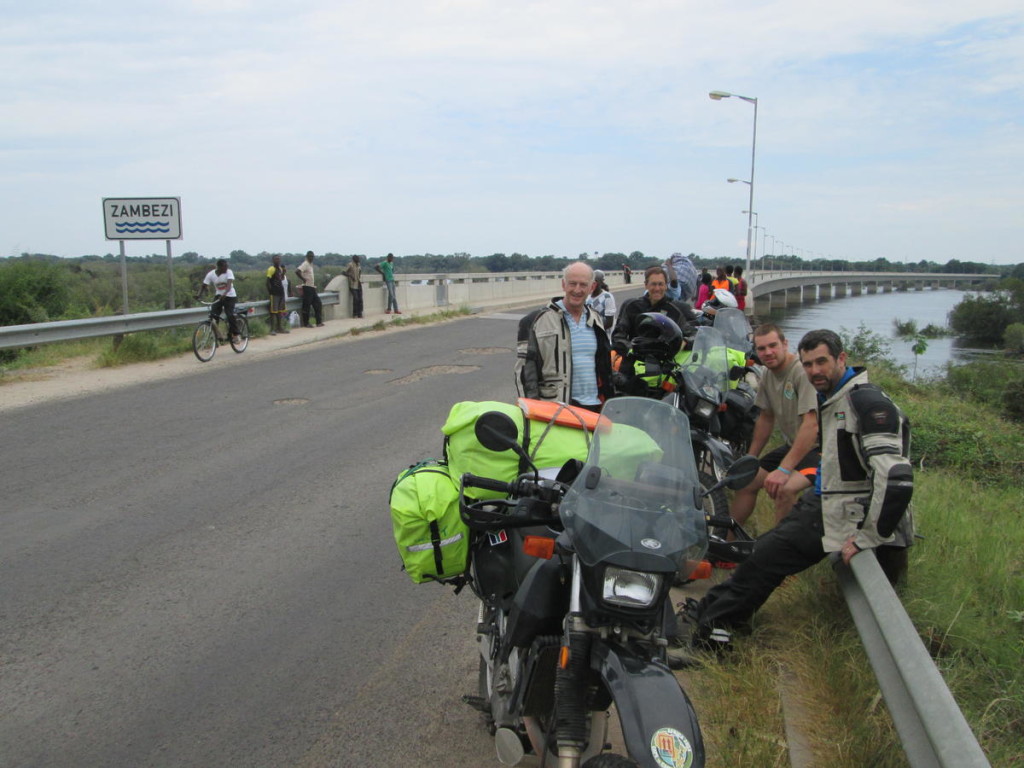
[741, 472]
[496, 431]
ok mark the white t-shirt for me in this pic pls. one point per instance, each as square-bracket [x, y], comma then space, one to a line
[224, 285]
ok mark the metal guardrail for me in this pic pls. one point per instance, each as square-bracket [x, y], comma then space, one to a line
[930, 725]
[33, 334]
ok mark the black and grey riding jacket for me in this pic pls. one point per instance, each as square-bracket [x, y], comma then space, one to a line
[866, 477]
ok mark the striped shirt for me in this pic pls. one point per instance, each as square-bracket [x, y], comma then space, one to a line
[583, 344]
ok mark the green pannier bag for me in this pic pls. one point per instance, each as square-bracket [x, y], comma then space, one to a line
[432, 540]
[547, 443]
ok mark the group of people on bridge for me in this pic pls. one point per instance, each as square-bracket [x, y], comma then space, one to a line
[841, 481]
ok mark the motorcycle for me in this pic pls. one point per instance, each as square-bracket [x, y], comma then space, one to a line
[740, 413]
[573, 575]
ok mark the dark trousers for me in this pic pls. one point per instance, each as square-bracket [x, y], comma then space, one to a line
[357, 301]
[790, 547]
[310, 298]
[226, 305]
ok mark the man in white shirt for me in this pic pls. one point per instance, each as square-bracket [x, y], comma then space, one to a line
[222, 280]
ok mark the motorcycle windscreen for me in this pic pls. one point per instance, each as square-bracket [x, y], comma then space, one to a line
[708, 365]
[638, 492]
[735, 328]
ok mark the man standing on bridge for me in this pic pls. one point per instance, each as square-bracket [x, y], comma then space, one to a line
[310, 298]
[562, 352]
[354, 274]
[277, 281]
[860, 500]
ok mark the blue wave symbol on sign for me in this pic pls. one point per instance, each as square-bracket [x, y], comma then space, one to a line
[143, 226]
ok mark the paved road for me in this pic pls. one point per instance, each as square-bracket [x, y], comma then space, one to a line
[200, 572]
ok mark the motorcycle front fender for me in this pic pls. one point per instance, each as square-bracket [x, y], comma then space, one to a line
[659, 724]
[721, 453]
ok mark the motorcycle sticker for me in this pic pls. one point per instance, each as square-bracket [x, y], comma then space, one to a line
[671, 749]
[650, 543]
[497, 537]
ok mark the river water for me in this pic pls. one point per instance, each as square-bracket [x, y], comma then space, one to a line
[877, 312]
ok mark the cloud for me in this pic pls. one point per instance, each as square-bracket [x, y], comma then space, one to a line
[470, 124]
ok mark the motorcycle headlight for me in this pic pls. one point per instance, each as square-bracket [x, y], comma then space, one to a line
[630, 589]
[704, 409]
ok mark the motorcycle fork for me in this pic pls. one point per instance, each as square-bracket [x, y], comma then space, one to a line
[572, 726]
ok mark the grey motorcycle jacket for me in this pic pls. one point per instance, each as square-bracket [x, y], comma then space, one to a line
[867, 480]
[543, 368]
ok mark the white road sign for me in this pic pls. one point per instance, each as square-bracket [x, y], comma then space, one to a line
[142, 218]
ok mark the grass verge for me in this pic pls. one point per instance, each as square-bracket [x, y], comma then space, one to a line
[965, 596]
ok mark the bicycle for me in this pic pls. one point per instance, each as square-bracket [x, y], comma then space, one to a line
[214, 331]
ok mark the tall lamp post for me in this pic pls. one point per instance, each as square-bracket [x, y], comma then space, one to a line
[753, 250]
[718, 96]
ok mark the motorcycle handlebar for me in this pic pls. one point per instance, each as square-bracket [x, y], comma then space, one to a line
[487, 483]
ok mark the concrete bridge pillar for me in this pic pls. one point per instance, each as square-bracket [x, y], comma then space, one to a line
[887, 286]
[839, 290]
[856, 289]
[919, 285]
[871, 287]
[793, 296]
[808, 294]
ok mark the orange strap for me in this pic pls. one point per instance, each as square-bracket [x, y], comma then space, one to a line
[560, 413]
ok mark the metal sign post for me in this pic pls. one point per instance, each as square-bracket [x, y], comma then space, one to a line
[142, 218]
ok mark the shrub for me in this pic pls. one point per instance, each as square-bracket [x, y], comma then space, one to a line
[33, 292]
[905, 327]
[1013, 338]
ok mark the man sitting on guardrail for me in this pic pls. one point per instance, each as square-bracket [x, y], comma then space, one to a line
[860, 500]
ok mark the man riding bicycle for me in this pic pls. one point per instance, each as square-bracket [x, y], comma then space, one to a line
[223, 281]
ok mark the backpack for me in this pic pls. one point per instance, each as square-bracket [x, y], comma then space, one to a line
[432, 540]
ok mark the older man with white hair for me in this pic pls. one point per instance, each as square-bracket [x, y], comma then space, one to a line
[563, 351]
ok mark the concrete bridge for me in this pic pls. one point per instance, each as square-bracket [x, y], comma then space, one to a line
[786, 288]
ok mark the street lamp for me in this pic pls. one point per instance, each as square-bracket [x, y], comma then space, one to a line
[718, 96]
[753, 250]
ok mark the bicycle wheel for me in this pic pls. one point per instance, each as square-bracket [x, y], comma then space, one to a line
[204, 341]
[242, 325]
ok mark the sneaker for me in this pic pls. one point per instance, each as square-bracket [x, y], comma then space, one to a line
[387, 311]
[273, 333]
[319, 325]
[397, 312]
[236, 339]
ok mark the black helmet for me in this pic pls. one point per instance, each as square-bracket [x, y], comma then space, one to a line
[657, 336]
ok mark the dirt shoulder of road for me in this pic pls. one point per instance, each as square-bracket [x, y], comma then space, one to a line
[81, 376]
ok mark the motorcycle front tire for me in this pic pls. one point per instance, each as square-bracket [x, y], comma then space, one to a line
[715, 503]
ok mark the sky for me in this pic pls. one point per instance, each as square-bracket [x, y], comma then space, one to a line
[884, 129]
